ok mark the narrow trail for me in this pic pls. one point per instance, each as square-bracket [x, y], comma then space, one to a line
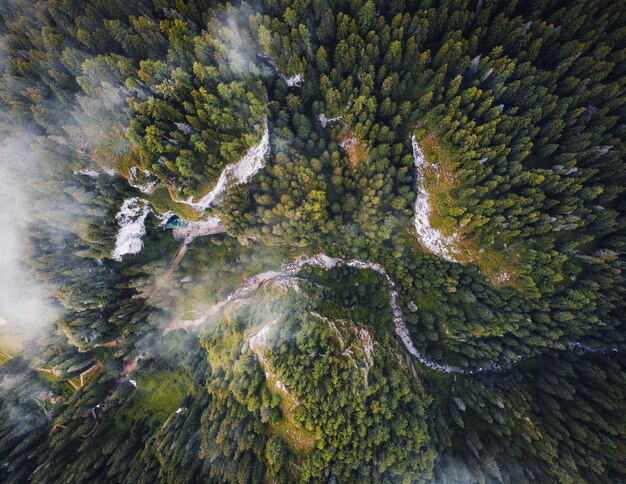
[162, 280]
[188, 234]
[238, 296]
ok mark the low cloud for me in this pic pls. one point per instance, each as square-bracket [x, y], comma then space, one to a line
[233, 40]
[25, 305]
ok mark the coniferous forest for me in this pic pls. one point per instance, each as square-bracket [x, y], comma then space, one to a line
[312, 241]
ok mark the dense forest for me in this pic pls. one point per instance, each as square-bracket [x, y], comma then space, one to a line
[313, 241]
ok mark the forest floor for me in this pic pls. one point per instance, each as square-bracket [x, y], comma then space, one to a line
[297, 438]
[162, 280]
[196, 229]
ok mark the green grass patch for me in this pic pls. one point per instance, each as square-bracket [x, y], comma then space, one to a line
[162, 202]
[158, 394]
[441, 183]
[4, 357]
[160, 199]
[10, 345]
[297, 438]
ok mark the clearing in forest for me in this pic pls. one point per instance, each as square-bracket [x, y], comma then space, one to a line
[159, 393]
[438, 207]
[354, 147]
[10, 345]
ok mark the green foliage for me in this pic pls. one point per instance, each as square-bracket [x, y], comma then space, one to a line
[519, 107]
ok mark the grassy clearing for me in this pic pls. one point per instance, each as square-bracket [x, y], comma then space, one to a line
[10, 345]
[50, 377]
[161, 199]
[162, 202]
[158, 394]
[441, 184]
[297, 438]
[356, 149]
[499, 264]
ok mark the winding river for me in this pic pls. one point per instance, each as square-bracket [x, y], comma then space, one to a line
[287, 277]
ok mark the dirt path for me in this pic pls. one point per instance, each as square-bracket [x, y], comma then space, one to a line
[161, 281]
[196, 229]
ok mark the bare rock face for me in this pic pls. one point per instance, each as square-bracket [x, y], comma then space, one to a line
[430, 238]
